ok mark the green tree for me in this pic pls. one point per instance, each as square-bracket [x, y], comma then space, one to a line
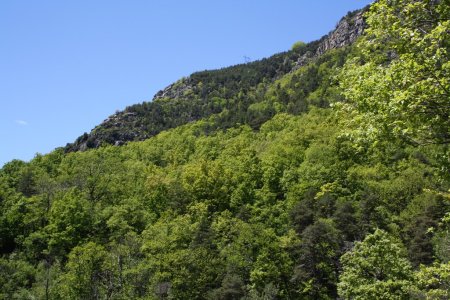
[16, 278]
[70, 221]
[432, 282]
[298, 46]
[441, 240]
[375, 268]
[89, 274]
[316, 271]
[400, 77]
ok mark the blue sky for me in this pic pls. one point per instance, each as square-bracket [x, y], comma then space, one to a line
[65, 66]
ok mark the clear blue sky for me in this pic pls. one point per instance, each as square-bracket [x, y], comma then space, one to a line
[65, 66]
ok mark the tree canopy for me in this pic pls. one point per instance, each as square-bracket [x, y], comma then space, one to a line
[267, 192]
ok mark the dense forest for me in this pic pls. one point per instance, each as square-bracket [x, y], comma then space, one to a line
[331, 180]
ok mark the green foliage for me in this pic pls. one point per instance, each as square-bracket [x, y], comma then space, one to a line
[88, 276]
[298, 46]
[419, 222]
[235, 213]
[441, 240]
[263, 191]
[227, 96]
[399, 79]
[17, 277]
[316, 272]
[375, 268]
[432, 282]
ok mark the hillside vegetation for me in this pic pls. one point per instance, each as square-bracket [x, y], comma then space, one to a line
[328, 181]
[230, 92]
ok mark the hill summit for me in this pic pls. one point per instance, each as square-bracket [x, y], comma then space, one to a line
[319, 173]
[197, 96]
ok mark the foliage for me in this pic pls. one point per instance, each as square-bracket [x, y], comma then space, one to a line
[399, 79]
[375, 268]
[260, 189]
[433, 282]
[230, 95]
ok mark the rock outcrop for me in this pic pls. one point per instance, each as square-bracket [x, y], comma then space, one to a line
[346, 32]
[115, 130]
[175, 90]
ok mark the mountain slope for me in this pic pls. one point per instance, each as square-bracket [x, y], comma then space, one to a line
[312, 194]
[206, 93]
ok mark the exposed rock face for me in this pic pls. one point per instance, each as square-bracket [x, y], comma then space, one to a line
[175, 90]
[346, 32]
[115, 130]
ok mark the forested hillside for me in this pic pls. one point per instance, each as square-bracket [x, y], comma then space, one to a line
[330, 180]
[230, 91]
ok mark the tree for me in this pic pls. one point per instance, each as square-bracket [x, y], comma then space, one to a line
[70, 221]
[432, 282]
[89, 274]
[316, 271]
[400, 78]
[298, 46]
[16, 278]
[232, 287]
[441, 239]
[376, 268]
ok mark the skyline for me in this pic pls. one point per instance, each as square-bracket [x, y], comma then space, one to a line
[67, 67]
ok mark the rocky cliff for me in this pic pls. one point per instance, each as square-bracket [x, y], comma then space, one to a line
[346, 32]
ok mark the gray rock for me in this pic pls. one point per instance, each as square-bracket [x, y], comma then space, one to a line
[345, 33]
